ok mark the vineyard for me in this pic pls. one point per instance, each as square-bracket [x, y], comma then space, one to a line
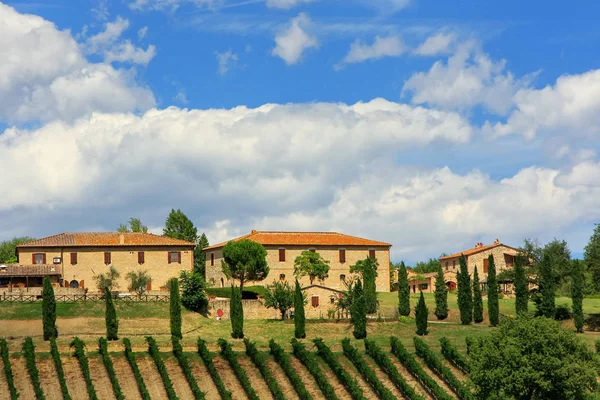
[353, 370]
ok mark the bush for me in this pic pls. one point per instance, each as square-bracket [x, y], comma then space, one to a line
[259, 360]
[469, 341]
[49, 310]
[136, 370]
[236, 313]
[237, 370]
[453, 356]
[280, 295]
[187, 370]
[210, 366]
[160, 366]
[283, 360]
[313, 367]
[175, 308]
[59, 370]
[103, 350]
[30, 363]
[10, 380]
[193, 291]
[84, 366]
[562, 312]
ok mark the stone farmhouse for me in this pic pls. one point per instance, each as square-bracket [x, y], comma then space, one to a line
[73, 259]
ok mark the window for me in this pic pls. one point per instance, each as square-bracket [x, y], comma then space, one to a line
[315, 301]
[342, 255]
[174, 257]
[141, 257]
[312, 250]
[38, 258]
[212, 259]
[372, 253]
[453, 264]
[107, 258]
[4, 281]
[422, 286]
[281, 277]
[281, 255]
[342, 277]
[73, 258]
[485, 265]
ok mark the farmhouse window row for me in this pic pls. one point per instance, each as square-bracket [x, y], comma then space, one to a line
[282, 255]
[40, 258]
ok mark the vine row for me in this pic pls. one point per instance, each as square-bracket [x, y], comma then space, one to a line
[284, 362]
[29, 353]
[239, 372]
[187, 370]
[139, 380]
[14, 393]
[110, 369]
[214, 374]
[59, 369]
[310, 363]
[343, 376]
[451, 353]
[259, 361]
[84, 366]
[162, 369]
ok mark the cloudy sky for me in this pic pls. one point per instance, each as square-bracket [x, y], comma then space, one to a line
[430, 125]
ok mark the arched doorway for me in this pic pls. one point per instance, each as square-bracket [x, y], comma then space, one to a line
[74, 284]
[451, 285]
[222, 283]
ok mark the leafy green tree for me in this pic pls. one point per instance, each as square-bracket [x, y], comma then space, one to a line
[533, 359]
[175, 308]
[193, 291]
[403, 291]
[465, 297]
[312, 264]
[591, 257]
[110, 316]
[358, 312]
[8, 249]
[367, 269]
[179, 226]
[49, 310]
[245, 260]
[577, 295]
[441, 295]
[138, 282]
[546, 304]
[279, 295]
[421, 314]
[200, 256]
[108, 279]
[299, 318]
[521, 287]
[236, 313]
[560, 261]
[393, 283]
[135, 225]
[477, 299]
[430, 265]
[493, 303]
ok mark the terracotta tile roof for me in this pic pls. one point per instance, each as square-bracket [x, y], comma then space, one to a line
[73, 239]
[476, 249]
[12, 270]
[304, 239]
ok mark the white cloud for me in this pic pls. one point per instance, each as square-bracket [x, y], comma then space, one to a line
[170, 5]
[142, 32]
[101, 12]
[225, 61]
[386, 6]
[181, 97]
[291, 42]
[286, 4]
[440, 43]
[390, 46]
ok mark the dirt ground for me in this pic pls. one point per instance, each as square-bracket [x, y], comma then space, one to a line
[281, 378]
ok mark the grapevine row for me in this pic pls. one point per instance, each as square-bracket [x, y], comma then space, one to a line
[136, 370]
[451, 353]
[85, 367]
[284, 362]
[187, 370]
[311, 364]
[110, 370]
[59, 369]
[259, 361]
[29, 353]
[237, 370]
[14, 394]
[162, 369]
[208, 362]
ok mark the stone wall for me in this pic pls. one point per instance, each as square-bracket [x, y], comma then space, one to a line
[476, 260]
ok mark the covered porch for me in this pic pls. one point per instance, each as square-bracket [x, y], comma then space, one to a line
[23, 277]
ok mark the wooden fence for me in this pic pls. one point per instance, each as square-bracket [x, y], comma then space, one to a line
[75, 298]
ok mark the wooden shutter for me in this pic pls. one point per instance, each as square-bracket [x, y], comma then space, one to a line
[485, 265]
[315, 301]
[81, 284]
[212, 259]
[33, 258]
[372, 254]
[179, 257]
[282, 255]
[149, 287]
[73, 258]
[342, 255]
[107, 257]
[43, 258]
[140, 257]
[169, 257]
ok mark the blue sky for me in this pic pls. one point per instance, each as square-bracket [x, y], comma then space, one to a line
[430, 125]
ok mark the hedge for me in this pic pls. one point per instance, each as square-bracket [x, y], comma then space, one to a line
[103, 350]
[382, 360]
[365, 371]
[139, 380]
[59, 369]
[284, 362]
[208, 362]
[85, 367]
[343, 376]
[29, 353]
[259, 361]
[311, 364]
[10, 380]
[187, 370]
[237, 369]
[249, 292]
[162, 369]
[452, 354]
[417, 371]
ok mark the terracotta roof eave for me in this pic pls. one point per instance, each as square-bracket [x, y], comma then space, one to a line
[470, 252]
[112, 245]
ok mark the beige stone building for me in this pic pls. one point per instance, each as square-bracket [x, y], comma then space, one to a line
[340, 250]
[73, 259]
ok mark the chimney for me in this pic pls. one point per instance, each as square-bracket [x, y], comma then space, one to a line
[496, 241]
[253, 230]
[121, 239]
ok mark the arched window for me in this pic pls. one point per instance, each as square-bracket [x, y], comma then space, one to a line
[342, 277]
[74, 284]
[281, 277]
[222, 283]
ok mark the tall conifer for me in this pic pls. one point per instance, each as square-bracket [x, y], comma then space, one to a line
[493, 305]
[465, 298]
[403, 291]
[421, 313]
[299, 318]
[521, 292]
[236, 313]
[441, 295]
[546, 306]
[112, 323]
[477, 299]
[577, 294]
[175, 308]
[49, 310]
[358, 311]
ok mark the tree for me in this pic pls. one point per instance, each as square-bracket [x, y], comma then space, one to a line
[200, 256]
[367, 268]
[245, 260]
[430, 265]
[521, 291]
[179, 226]
[493, 303]
[477, 299]
[138, 282]
[312, 264]
[441, 295]
[591, 257]
[49, 310]
[545, 304]
[279, 295]
[532, 358]
[110, 316]
[421, 314]
[135, 225]
[358, 312]
[175, 308]
[299, 318]
[465, 298]
[403, 291]
[577, 295]
[560, 262]
[8, 249]
[236, 313]
[193, 291]
[108, 279]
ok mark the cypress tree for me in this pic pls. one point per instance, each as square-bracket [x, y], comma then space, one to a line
[175, 308]
[521, 292]
[577, 294]
[421, 313]
[358, 311]
[112, 324]
[369, 274]
[492, 280]
[299, 328]
[236, 313]
[465, 298]
[546, 307]
[49, 310]
[477, 300]
[403, 291]
[441, 295]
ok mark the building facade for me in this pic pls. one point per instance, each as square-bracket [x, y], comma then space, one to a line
[340, 250]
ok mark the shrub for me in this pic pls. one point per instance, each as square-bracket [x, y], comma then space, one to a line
[160, 366]
[10, 380]
[237, 370]
[259, 360]
[187, 370]
[280, 295]
[236, 313]
[441, 295]
[110, 369]
[358, 312]
[469, 341]
[193, 291]
[299, 318]
[138, 282]
[452, 354]
[311, 364]
[493, 296]
[136, 370]
[477, 299]
[421, 314]
[175, 308]
[403, 291]
[210, 366]
[30, 363]
[112, 324]
[49, 310]
[283, 360]
[562, 312]
[343, 376]
[59, 369]
[597, 344]
[84, 366]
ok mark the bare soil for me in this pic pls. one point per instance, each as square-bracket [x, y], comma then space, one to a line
[229, 379]
[181, 385]
[202, 376]
[339, 389]
[307, 378]
[348, 366]
[436, 378]
[48, 378]
[100, 379]
[4, 393]
[286, 386]
[152, 378]
[382, 376]
[256, 379]
[74, 377]
[126, 378]
[21, 377]
[408, 377]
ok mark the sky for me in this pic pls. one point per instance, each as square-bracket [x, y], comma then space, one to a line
[428, 125]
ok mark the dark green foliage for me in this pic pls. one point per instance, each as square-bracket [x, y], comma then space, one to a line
[559, 257]
[193, 291]
[134, 225]
[431, 265]
[136, 370]
[214, 374]
[465, 298]
[441, 295]
[280, 296]
[175, 308]
[367, 269]
[184, 363]
[492, 281]
[239, 372]
[299, 318]
[365, 371]
[10, 380]
[452, 354]
[283, 360]
[8, 249]
[597, 345]
[30, 363]
[477, 299]
[421, 314]
[311, 364]
[259, 361]
[591, 258]
[49, 310]
[577, 294]
[435, 364]
[110, 370]
[415, 369]
[245, 260]
[521, 291]
[562, 312]
[249, 292]
[160, 366]
[312, 264]
[236, 313]
[59, 370]
[546, 305]
[112, 323]
[200, 256]
[533, 358]
[403, 291]
[358, 312]
[469, 342]
[390, 369]
[84, 366]
[343, 376]
[179, 226]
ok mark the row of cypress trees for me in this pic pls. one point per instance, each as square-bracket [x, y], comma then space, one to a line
[470, 302]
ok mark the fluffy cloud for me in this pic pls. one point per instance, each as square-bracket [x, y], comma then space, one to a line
[292, 41]
[225, 60]
[381, 47]
[440, 43]
[286, 4]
